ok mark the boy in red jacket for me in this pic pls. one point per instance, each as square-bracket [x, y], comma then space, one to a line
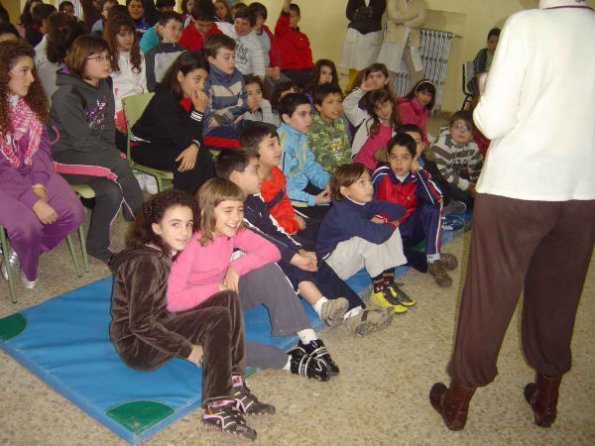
[200, 27]
[294, 45]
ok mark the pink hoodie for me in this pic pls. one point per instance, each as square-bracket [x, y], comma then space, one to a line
[412, 112]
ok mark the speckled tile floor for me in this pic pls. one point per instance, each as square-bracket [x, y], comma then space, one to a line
[380, 398]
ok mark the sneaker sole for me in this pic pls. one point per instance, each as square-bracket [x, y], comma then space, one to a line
[215, 428]
[336, 317]
[368, 327]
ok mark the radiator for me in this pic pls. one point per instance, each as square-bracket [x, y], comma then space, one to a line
[434, 52]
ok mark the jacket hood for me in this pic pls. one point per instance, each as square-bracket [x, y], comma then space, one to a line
[129, 253]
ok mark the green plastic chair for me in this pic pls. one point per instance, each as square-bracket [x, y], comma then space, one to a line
[134, 106]
[6, 252]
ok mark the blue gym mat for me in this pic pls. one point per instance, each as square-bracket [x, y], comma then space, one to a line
[65, 342]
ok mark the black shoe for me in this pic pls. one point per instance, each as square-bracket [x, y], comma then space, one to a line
[248, 404]
[303, 364]
[317, 350]
[228, 419]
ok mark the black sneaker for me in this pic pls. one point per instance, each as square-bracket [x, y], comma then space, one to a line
[303, 364]
[228, 419]
[248, 404]
[317, 350]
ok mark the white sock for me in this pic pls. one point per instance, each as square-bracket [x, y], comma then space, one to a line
[352, 313]
[287, 366]
[318, 305]
[433, 258]
[307, 335]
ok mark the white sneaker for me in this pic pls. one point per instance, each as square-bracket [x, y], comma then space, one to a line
[13, 263]
[29, 284]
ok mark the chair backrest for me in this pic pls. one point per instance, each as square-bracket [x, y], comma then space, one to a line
[468, 73]
[134, 106]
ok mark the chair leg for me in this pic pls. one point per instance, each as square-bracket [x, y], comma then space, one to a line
[5, 253]
[83, 243]
[73, 255]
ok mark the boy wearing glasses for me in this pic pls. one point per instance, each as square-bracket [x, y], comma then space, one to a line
[458, 158]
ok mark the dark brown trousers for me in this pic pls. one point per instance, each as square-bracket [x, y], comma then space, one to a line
[218, 326]
[541, 247]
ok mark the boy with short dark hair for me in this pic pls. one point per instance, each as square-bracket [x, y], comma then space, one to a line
[307, 181]
[67, 7]
[249, 52]
[458, 158]
[294, 45]
[405, 182]
[159, 59]
[201, 26]
[227, 92]
[329, 139]
[308, 276]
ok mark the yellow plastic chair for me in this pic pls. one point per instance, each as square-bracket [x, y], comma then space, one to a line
[134, 106]
[6, 253]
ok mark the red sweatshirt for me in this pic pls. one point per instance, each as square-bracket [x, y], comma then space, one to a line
[192, 40]
[274, 194]
[294, 46]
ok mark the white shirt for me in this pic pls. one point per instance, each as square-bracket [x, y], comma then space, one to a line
[539, 108]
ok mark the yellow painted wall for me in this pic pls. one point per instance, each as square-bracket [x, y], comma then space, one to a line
[325, 24]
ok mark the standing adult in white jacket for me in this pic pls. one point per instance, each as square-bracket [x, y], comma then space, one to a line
[534, 218]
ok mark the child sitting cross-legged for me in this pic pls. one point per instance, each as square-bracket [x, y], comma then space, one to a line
[458, 158]
[264, 140]
[360, 231]
[328, 136]
[307, 181]
[308, 275]
[405, 182]
[208, 265]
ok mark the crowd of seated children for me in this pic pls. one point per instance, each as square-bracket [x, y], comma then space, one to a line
[62, 29]
[162, 56]
[200, 27]
[99, 25]
[272, 57]
[249, 51]
[82, 112]
[405, 182]
[294, 45]
[329, 136]
[227, 93]
[168, 135]
[375, 131]
[128, 69]
[259, 108]
[265, 141]
[458, 158]
[415, 107]
[308, 275]
[361, 232]
[137, 13]
[307, 181]
[210, 335]
[223, 11]
[39, 209]
[206, 266]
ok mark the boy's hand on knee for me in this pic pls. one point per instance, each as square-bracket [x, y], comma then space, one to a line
[304, 262]
[323, 197]
[187, 158]
[196, 355]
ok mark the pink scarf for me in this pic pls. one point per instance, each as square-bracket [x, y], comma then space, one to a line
[23, 122]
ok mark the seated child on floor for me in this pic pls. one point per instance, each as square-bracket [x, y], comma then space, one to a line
[200, 27]
[307, 181]
[226, 90]
[208, 265]
[361, 232]
[309, 276]
[146, 335]
[259, 107]
[458, 158]
[265, 141]
[415, 107]
[160, 58]
[405, 182]
[328, 136]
